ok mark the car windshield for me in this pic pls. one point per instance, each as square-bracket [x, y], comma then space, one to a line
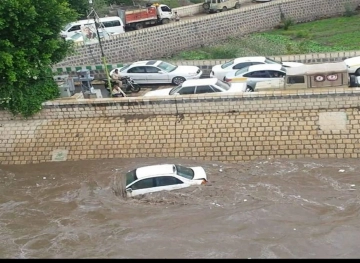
[270, 61]
[222, 84]
[226, 64]
[125, 67]
[67, 27]
[174, 90]
[131, 176]
[242, 71]
[167, 66]
[185, 172]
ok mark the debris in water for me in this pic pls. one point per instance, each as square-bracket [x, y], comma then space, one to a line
[341, 171]
[352, 185]
[294, 228]
[220, 170]
[44, 177]
[214, 164]
[37, 185]
[245, 200]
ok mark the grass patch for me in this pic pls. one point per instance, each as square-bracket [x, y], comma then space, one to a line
[327, 35]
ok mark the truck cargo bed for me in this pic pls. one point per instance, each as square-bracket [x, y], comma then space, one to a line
[140, 15]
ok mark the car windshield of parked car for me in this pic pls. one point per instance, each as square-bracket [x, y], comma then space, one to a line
[271, 61]
[167, 66]
[125, 67]
[222, 84]
[226, 64]
[185, 172]
[241, 71]
[175, 90]
[67, 27]
[131, 176]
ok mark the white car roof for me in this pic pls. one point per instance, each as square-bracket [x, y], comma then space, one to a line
[265, 67]
[252, 59]
[144, 62]
[352, 60]
[194, 82]
[152, 170]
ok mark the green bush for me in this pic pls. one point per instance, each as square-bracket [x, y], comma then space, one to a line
[349, 11]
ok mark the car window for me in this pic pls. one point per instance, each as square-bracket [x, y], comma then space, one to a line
[256, 63]
[167, 66]
[131, 177]
[167, 180]
[185, 172]
[152, 69]
[125, 67]
[276, 74]
[227, 64]
[74, 28]
[242, 71]
[271, 61]
[186, 90]
[257, 74]
[216, 89]
[222, 84]
[203, 89]
[174, 90]
[144, 183]
[137, 70]
[242, 64]
[165, 9]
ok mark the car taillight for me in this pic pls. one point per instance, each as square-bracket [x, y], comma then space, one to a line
[227, 80]
[204, 181]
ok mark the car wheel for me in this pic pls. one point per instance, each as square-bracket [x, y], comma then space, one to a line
[224, 9]
[206, 6]
[249, 89]
[352, 83]
[357, 72]
[178, 80]
[237, 6]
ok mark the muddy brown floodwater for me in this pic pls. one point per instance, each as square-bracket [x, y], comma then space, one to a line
[305, 208]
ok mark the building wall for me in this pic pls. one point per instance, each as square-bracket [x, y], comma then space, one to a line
[165, 40]
[228, 128]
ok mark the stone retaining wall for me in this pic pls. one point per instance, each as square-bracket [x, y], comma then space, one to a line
[163, 40]
[228, 128]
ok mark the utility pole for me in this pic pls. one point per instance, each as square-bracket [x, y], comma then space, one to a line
[103, 58]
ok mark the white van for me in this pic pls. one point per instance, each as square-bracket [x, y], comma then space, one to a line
[112, 25]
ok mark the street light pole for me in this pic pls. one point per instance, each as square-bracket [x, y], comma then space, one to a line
[103, 58]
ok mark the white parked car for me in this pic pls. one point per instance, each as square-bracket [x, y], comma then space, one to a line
[157, 72]
[220, 71]
[198, 86]
[155, 178]
[353, 65]
[256, 73]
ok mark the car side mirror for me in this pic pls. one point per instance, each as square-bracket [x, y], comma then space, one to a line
[128, 190]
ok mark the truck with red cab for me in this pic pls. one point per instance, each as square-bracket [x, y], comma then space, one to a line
[152, 14]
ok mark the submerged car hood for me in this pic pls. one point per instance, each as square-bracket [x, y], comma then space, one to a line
[199, 173]
[160, 92]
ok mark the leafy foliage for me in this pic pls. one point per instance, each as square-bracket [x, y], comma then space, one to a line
[28, 48]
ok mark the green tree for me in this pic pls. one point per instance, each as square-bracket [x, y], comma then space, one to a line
[29, 45]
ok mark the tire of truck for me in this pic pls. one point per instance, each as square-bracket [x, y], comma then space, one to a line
[224, 9]
[357, 72]
[139, 26]
[165, 21]
[352, 83]
[249, 89]
[206, 6]
[237, 5]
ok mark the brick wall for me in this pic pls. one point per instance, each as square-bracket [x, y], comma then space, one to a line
[163, 40]
[229, 128]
